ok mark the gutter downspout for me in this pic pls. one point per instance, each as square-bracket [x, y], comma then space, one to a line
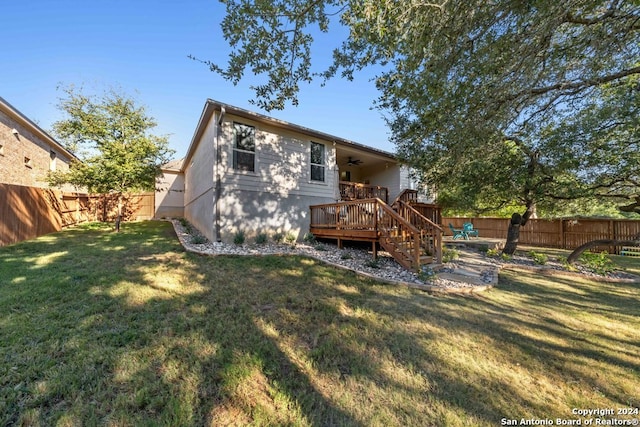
[217, 173]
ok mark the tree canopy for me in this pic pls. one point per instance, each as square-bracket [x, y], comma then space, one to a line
[493, 102]
[111, 137]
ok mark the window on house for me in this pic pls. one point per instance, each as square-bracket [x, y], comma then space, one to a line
[27, 162]
[244, 147]
[52, 160]
[317, 162]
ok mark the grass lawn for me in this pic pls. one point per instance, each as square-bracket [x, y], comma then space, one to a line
[99, 328]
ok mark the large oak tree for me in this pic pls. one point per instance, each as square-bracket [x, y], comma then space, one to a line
[493, 102]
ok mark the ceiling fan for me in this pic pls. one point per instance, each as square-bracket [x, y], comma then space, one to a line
[353, 162]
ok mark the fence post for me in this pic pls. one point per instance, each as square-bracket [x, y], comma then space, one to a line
[612, 236]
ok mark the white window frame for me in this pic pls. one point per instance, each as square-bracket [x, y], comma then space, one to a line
[236, 150]
[322, 165]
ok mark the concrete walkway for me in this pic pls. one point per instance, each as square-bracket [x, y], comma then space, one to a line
[471, 267]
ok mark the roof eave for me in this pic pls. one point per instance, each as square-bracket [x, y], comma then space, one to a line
[212, 106]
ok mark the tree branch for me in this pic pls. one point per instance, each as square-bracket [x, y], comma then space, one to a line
[578, 85]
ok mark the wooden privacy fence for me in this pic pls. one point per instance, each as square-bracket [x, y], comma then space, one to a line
[29, 212]
[556, 233]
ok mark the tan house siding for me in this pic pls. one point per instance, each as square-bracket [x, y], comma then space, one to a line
[169, 200]
[27, 153]
[199, 181]
[276, 195]
[282, 162]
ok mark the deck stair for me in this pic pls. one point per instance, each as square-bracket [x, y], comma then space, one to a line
[410, 237]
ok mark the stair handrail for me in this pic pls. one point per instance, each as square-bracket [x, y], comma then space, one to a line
[401, 196]
[397, 216]
[413, 255]
[437, 230]
[419, 215]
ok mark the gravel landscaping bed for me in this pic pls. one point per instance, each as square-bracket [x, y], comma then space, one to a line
[557, 266]
[484, 268]
[355, 259]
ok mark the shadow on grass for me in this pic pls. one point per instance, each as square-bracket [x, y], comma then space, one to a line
[128, 329]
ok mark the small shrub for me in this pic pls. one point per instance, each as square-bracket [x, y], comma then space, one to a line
[449, 255]
[309, 238]
[597, 263]
[278, 237]
[198, 239]
[290, 238]
[505, 257]
[483, 248]
[320, 247]
[239, 237]
[372, 263]
[538, 258]
[493, 253]
[427, 274]
[346, 255]
[188, 228]
[563, 260]
[262, 238]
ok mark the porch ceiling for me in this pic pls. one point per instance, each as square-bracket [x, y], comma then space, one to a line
[367, 160]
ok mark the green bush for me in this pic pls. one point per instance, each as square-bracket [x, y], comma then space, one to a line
[320, 247]
[427, 274]
[493, 253]
[346, 255]
[262, 238]
[239, 237]
[563, 260]
[449, 254]
[372, 263]
[309, 238]
[538, 258]
[290, 238]
[598, 263]
[278, 237]
[198, 239]
[505, 257]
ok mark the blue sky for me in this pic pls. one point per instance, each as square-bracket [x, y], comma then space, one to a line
[141, 47]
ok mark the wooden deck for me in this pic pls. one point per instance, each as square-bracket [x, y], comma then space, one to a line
[402, 230]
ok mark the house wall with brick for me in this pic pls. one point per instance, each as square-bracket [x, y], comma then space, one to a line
[27, 153]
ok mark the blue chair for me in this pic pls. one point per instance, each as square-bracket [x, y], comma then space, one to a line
[458, 234]
[468, 228]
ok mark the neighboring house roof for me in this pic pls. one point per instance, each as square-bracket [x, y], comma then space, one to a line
[211, 106]
[16, 115]
[173, 165]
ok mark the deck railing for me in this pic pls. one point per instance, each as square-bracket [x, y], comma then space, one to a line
[357, 191]
[406, 235]
[349, 215]
[430, 232]
[407, 195]
[429, 211]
